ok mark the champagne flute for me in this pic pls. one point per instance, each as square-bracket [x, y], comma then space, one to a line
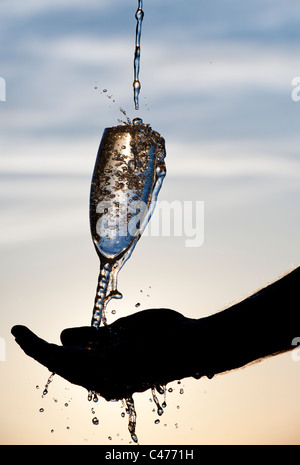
[127, 178]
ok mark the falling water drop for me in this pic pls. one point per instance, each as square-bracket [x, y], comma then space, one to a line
[164, 404]
[132, 418]
[137, 121]
[156, 401]
[124, 113]
[45, 392]
[139, 15]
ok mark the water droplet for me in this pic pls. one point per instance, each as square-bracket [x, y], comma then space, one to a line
[110, 438]
[160, 389]
[122, 414]
[37, 387]
[136, 86]
[139, 14]
[157, 421]
[134, 438]
[124, 113]
[155, 399]
[113, 312]
[181, 391]
[137, 121]
[104, 90]
[41, 410]
[66, 404]
[131, 166]
[45, 392]
[95, 421]
[138, 304]
[170, 390]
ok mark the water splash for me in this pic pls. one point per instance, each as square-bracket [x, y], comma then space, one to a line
[156, 401]
[125, 114]
[139, 15]
[50, 379]
[92, 396]
[132, 418]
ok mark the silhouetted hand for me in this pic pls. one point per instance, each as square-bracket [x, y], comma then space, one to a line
[154, 347]
[130, 355]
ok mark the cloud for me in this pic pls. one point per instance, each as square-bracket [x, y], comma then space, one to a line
[228, 159]
[30, 8]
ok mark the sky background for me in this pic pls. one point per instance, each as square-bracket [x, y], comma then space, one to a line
[217, 84]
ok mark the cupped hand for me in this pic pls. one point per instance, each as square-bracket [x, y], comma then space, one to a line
[130, 355]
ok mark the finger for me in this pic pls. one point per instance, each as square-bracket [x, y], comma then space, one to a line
[72, 363]
[79, 336]
[45, 353]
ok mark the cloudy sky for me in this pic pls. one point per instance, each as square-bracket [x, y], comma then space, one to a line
[217, 84]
